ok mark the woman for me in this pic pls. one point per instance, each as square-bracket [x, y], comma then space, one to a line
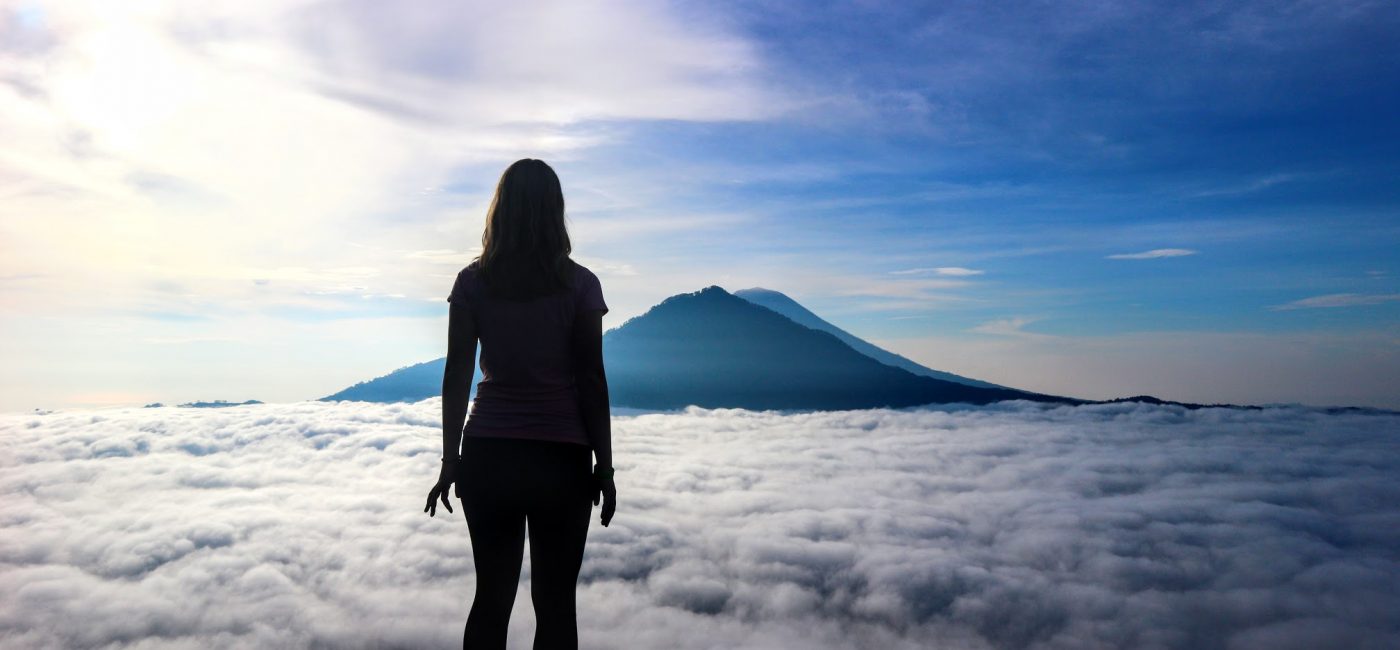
[541, 408]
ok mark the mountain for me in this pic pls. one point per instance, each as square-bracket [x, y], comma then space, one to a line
[407, 384]
[1148, 399]
[218, 403]
[713, 349]
[786, 306]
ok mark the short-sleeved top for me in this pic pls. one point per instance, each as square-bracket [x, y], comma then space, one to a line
[527, 387]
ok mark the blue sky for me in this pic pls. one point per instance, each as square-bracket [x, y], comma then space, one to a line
[268, 200]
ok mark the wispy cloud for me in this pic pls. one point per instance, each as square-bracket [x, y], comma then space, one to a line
[444, 256]
[607, 268]
[1249, 186]
[917, 289]
[1153, 254]
[181, 340]
[1013, 327]
[957, 271]
[1339, 300]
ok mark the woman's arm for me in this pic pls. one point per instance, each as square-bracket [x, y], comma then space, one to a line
[456, 386]
[592, 384]
[457, 377]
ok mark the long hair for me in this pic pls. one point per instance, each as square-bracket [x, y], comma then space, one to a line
[525, 246]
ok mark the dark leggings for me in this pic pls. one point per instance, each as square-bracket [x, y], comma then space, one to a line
[503, 483]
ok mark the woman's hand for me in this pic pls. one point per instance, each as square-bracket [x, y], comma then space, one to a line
[605, 487]
[440, 491]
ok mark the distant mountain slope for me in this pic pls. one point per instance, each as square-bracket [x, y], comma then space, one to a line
[408, 384]
[786, 306]
[712, 349]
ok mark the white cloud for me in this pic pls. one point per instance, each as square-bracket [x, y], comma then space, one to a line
[1017, 525]
[1153, 254]
[157, 142]
[940, 270]
[283, 161]
[1339, 300]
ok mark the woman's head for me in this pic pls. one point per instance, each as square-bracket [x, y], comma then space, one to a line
[525, 247]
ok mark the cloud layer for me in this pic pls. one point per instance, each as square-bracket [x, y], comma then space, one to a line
[1018, 526]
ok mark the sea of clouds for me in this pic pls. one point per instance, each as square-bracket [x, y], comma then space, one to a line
[1018, 525]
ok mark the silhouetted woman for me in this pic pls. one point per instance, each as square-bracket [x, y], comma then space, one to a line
[541, 409]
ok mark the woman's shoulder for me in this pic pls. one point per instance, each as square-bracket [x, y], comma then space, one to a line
[464, 284]
[588, 290]
[581, 270]
[583, 276]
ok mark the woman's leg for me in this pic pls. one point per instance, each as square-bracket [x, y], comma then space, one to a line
[496, 520]
[558, 529]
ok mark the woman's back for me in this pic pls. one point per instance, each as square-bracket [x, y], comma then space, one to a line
[527, 387]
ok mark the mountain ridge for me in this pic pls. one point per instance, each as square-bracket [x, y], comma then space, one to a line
[422, 380]
[785, 305]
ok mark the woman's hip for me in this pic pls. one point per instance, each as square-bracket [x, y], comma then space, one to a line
[524, 466]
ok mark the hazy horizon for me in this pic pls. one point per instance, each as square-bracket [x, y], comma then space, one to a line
[1206, 391]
